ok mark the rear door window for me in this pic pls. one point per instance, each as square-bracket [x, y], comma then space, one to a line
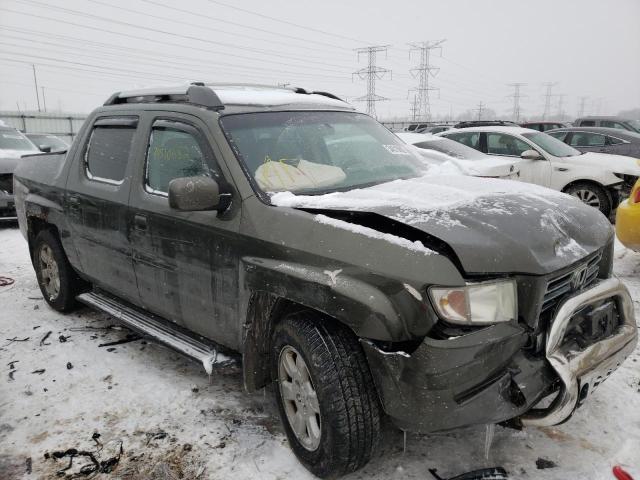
[470, 139]
[503, 144]
[585, 139]
[610, 124]
[108, 149]
[588, 123]
[559, 135]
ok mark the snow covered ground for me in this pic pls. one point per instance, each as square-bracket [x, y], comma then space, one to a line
[60, 388]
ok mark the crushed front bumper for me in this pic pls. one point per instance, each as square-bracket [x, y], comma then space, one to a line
[580, 372]
[488, 377]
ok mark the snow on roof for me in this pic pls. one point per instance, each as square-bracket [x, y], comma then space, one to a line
[271, 96]
[413, 138]
[497, 128]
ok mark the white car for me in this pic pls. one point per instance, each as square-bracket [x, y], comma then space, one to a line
[595, 178]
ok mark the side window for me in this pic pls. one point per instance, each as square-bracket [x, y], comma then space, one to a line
[470, 139]
[588, 123]
[580, 139]
[107, 151]
[610, 124]
[614, 141]
[174, 151]
[559, 135]
[502, 144]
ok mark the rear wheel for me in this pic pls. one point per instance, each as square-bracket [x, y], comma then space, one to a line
[592, 195]
[58, 281]
[325, 394]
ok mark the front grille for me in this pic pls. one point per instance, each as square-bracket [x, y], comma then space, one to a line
[6, 182]
[561, 286]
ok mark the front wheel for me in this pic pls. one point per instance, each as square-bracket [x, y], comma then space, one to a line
[325, 394]
[592, 195]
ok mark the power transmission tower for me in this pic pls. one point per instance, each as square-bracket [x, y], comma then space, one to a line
[560, 104]
[422, 72]
[371, 73]
[547, 98]
[414, 108]
[583, 101]
[35, 81]
[479, 110]
[516, 99]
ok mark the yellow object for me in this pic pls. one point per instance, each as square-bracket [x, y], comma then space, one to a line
[628, 220]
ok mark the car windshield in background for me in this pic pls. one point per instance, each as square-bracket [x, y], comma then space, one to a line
[52, 141]
[14, 140]
[451, 148]
[552, 145]
[319, 152]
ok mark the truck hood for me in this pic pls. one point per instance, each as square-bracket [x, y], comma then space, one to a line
[611, 163]
[493, 226]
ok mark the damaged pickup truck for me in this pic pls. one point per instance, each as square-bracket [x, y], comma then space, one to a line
[284, 225]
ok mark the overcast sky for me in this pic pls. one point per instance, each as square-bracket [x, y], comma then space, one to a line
[84, 50]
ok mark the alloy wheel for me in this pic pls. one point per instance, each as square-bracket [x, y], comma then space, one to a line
[50, 275]
[587, 196]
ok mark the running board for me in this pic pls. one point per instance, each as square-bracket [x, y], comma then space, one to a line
[148, 326]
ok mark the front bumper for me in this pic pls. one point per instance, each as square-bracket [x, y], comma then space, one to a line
[628, 225]
[489, 377]
[580, 372]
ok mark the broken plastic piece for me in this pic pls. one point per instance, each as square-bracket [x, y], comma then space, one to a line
[620, 474]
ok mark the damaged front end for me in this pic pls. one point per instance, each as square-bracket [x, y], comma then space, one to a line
[455, 378]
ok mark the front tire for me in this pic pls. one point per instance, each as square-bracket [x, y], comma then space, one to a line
[325, 394]
[57, 280]
[592, 195]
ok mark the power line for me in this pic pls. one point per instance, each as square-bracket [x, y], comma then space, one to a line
[371, 73]
[423, 71]
[547, 98]
[516, 99]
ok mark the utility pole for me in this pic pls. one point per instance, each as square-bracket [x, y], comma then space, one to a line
[516, 99]
[583, 101]
[44, 100]
[422, 72]
[35, 81]
[547, 98]
[479, 110]
[371, 73]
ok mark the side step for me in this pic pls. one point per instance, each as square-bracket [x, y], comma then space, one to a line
[145, 324]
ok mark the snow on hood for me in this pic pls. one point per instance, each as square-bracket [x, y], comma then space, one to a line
[493, 225]
[607, 161]
[6, 153]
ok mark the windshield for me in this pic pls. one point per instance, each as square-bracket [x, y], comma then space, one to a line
[318, 152]
[14, 140]
[635, 124]
[451, 148]
[52, 141]
[551, 145]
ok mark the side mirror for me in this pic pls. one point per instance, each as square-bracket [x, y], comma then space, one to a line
[191, 194]
[531, 155]
[45, 148]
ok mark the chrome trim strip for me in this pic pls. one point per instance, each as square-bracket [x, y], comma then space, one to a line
[578, 368]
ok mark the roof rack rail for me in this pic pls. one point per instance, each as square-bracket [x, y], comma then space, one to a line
[195, 93]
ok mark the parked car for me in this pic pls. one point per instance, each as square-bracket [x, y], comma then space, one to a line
[434, 129]
[13, 145]
[605, 140]
[628, 220]
[47, 142]
[543, 126]
[287, 226]
[485, 123]
[469, 161]
[594, 178]
[609, 122]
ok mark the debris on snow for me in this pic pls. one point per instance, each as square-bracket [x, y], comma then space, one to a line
[542, 463]
[44, 339]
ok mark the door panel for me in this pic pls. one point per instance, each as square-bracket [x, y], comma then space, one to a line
[186, 263]
[97, 204]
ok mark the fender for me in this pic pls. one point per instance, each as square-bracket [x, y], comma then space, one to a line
[372, 307]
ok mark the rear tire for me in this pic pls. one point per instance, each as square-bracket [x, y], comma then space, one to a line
[57, 280]
[592, 195]
[334, 394]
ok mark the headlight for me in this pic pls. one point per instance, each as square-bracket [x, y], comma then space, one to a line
[477, 303]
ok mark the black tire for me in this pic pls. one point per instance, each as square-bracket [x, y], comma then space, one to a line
[348, 403]
[585, 191]
[70, 285]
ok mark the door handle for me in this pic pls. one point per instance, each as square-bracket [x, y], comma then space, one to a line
[74, 202]
[140, 222]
